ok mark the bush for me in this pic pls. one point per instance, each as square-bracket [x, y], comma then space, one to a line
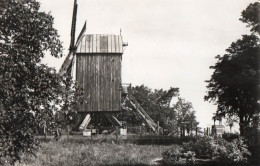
[252, 139]
[203, 147]
[230, 136]
[190, 158]
[231, 152]
[172, 155]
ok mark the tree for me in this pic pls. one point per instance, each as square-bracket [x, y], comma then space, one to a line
[230, 122]
[71, 95]
[30, 92]
[155, 102]
[186, 119]
[234, 84]
[251, 17]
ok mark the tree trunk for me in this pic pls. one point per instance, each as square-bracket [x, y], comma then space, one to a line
[243, 126]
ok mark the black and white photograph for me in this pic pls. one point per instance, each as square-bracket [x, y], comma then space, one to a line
[130, 82]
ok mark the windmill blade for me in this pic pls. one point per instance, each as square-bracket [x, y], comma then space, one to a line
[81, 34]
[67, 64]
[73, 26]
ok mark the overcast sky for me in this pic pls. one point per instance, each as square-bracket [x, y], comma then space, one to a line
[172, 43]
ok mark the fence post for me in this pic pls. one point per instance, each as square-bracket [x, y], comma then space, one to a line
[116, 134]
[45, 130]
[68, 130]
[91, 132]
[158, 129]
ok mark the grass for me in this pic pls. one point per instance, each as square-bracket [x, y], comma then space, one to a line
[77, 153]
[80, 151]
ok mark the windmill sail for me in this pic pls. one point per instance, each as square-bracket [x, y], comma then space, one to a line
[73, 26]
[81, 33]
[68, 62]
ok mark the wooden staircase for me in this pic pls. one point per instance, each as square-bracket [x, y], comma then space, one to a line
[149, 121]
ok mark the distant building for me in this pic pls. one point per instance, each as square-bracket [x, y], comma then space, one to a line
[218, 130]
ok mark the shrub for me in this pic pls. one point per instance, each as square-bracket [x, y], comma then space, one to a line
[190, 158]
[230, 136]
[252, 139]
[203, 147]
[231, 152]
[172, 155]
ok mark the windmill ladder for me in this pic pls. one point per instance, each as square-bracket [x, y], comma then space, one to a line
[142, 112]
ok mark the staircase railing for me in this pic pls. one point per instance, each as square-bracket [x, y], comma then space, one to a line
[142, 112]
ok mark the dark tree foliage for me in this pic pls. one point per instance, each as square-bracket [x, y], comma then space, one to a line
[156, 103]
[251, 16]
[30, 92]
[186, 119]
[234, 85]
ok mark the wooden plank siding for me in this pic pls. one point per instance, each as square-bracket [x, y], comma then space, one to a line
[98, 71]
[100, 76]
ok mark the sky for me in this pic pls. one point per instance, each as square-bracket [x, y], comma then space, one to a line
[171, 43]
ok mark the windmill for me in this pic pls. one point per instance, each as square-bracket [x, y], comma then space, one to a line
[66, 67]
[98, 60]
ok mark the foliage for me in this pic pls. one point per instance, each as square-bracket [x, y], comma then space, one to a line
[203, 147]
[230, 136]
[251, 16]
[252, 139]
[230, 121]
[235, 151]
[155, 102]
[172, 155]
[231, 152]
[234, 85]
[31, 92]
[190, 158]
[186, 119]
[71, 96]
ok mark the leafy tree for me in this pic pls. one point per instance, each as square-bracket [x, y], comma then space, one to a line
[230, 122]
[234, 85]
[251, 17]
[155, 102]
[71, 95]
[141, 94]
[186, 119]
[30, 92]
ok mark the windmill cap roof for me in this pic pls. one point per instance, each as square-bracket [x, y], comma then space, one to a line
[98, 43]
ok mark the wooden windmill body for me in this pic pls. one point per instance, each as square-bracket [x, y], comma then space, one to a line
[98, 71]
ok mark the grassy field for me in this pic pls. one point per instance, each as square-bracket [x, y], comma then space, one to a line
[84, 152]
